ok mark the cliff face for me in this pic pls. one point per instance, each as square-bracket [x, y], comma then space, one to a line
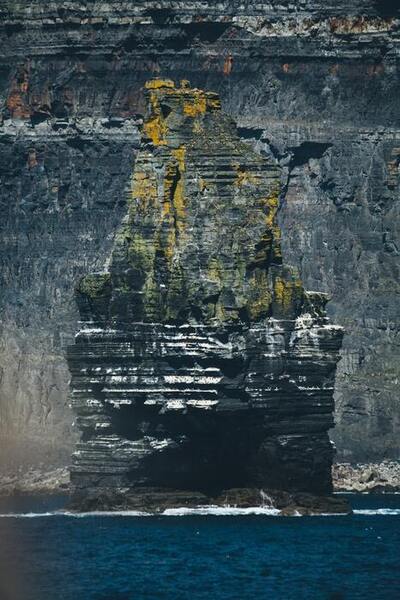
[315, 86]
[201, 364]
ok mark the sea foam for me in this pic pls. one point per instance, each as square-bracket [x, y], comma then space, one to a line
[377, 511]
[218, 511]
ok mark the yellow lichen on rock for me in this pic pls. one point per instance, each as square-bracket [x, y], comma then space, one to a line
[213, 103]
[144, 189]
[287, 292]
[178, 198]
[191, 103]
[155, 130]
[166, 185]
[154, 126]
[195, 104]
[244, 177]
[197, 127]
[180, 154]
[272, 205]
[214, 270]
[141, 252]
[157, 83]
[259, 296]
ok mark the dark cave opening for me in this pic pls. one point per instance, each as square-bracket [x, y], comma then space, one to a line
[194, 450]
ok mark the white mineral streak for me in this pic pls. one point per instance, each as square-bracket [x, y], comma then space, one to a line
[161, 444]
[204, 404]
[174, 405]
[191, 379]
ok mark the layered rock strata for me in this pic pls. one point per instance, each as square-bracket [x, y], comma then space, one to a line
[201, 363]
[313, 83]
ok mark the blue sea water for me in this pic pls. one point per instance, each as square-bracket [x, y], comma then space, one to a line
[45, 555]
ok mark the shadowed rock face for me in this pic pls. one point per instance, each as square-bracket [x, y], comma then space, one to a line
[201, 363]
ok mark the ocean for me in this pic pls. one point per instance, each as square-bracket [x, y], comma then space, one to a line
[217, 554]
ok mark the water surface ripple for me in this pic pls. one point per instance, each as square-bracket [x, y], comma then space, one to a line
[179, 556]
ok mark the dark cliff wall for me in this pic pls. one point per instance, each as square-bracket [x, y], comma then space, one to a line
[314, 84]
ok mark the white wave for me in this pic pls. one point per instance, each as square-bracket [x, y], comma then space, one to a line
[343, 514]
[365, 493]
[195, 511]
[104, 513]
[169, 512]
[77, 515]
[27, 515]
[377, 511]
[221, 511]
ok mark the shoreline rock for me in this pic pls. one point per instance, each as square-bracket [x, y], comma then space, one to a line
[367, 478]
[154, 501]
[35, 482]
[372, 478]
[157, 500]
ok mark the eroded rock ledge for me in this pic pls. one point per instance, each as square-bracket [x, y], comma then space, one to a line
[201, 364]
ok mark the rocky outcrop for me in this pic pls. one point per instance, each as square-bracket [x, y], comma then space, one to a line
[201, 364]
[35, 482]
[312, 84]
[367, 478]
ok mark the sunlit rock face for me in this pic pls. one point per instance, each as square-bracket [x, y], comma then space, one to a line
[201, 364]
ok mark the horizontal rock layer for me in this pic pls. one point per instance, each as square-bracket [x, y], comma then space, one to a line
[204, 407]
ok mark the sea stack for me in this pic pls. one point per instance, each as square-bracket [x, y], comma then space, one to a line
[202, 370]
